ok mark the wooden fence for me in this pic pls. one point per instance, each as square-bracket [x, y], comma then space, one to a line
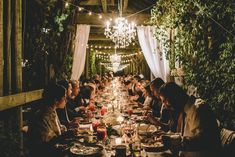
[10, 101]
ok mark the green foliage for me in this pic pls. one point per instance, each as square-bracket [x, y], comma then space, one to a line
[93, 64]
[204, 44]
[66, 70]
[47, 39]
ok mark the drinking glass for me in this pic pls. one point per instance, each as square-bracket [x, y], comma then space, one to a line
[101, 133]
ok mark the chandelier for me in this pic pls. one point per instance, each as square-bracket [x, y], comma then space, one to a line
[122, 33]
[115, 59]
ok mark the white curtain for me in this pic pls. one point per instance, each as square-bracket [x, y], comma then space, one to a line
[79, 56]
[153, 52]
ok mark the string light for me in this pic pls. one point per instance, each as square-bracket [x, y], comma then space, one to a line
[80, 8]
[105, 46]
[90, 13]
[66, 5]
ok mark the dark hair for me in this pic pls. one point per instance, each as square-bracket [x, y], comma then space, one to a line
[148, 90]
[137, 77]
[53, 93]
[174, 94]
[86, 92]
[63, 83]
[127, 82]
[157, 83]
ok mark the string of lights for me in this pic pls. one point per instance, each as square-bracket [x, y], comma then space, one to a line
[103, 46]
[67, 4]
[122, 55]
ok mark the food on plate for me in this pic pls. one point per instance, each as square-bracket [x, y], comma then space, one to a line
[85, 150]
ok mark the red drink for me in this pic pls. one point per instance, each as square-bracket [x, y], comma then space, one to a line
[101, 132]
[91, 107]
[103, 111]
[130, 111]
[95, 125]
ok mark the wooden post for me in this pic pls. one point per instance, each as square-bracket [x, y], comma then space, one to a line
[1, 48]
[18, 60]
[7, 49]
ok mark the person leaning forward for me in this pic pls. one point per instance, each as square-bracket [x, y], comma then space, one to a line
[197, 127]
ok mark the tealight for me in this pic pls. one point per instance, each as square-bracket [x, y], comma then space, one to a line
[118, 141]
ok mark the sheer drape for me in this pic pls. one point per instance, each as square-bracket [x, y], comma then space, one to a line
[79, 56]
[153, 52]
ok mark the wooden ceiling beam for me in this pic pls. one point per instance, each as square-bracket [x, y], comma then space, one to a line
[83, 18]
[97, 37]
[96, 3]
[125, 6]
[104, 5]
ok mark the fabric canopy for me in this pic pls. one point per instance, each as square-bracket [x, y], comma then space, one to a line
[79, 56]
[153, 52]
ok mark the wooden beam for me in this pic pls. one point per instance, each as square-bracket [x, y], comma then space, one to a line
[104, 5]
[90, 2]
[18, 46]
[1, 48]
[95, 37]
[96, 2]
[8, 50]
[18, 65]
[83, 18]
[125, 6]
[15, 100]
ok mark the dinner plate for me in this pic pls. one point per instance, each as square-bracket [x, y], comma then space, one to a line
[146, 129]
[156, 147]
[86, 150]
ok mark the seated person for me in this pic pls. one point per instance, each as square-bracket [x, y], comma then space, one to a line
[161, 116]
[63, 113]
[45, 129]
[197, 126]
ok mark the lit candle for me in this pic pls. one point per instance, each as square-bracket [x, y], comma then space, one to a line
[109, 107]
[120, 119]
[118, 141]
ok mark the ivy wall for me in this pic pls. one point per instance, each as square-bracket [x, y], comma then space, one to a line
[200, 35]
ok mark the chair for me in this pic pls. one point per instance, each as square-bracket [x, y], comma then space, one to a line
[227, 138]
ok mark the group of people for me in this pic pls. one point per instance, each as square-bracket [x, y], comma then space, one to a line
[64, 104]
[190, 120]
[166, 105]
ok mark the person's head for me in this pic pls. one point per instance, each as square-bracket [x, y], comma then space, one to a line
[75, 87]
[173, 96]
[55, 96]
[147, 90]
[86, 92]
[155, 86]
[136, 79]
[67, 85]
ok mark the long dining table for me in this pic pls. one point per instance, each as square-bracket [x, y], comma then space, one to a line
[117, 122]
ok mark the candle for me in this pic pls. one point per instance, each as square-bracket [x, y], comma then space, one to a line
[118, 141]
[120, 119]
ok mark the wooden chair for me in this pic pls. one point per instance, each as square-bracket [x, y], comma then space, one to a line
[227, 138]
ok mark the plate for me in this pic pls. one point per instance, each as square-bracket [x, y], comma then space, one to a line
[155, 147]
[86, 150]
[146, 128]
